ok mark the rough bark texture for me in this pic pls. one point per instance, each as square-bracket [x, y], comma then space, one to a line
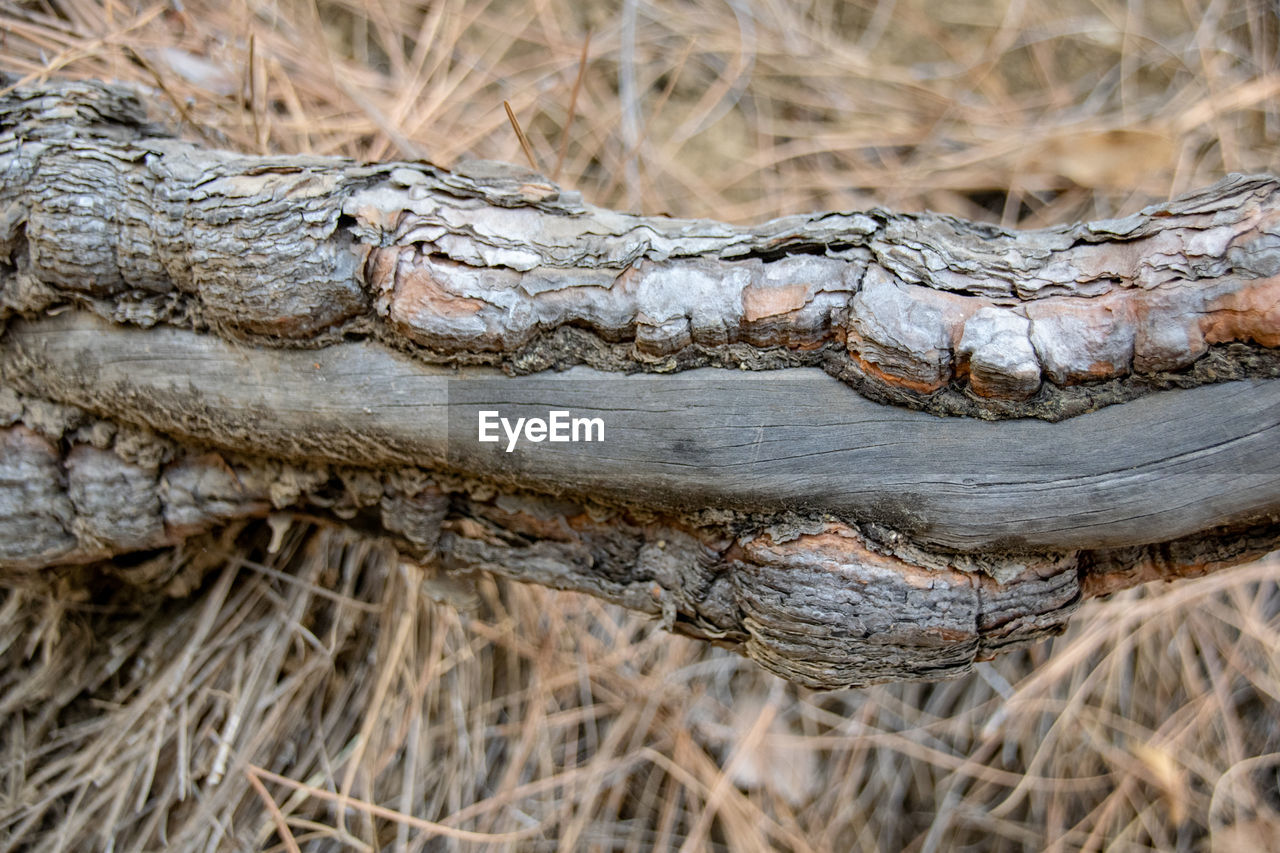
[194, 337]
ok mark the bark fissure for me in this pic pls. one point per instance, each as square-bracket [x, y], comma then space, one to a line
[193, 338]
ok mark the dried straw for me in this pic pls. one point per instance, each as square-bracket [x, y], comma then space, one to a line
[316, 698]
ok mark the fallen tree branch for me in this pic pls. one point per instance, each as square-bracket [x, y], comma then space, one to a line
[195, 337]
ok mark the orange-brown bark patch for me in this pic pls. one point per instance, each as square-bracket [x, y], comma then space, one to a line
[874, 371]
[1251, 313]
[380, 269]
[839, 544]
[1105, 583]
[760, 301]
[417, 290]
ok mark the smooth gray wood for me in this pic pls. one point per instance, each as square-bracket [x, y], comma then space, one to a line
[1157, 468]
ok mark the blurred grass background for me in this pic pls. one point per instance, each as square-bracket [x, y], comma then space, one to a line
[317, 698]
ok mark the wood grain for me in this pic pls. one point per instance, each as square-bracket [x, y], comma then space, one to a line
[1158, 468]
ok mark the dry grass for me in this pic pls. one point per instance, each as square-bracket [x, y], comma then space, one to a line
[316, 699]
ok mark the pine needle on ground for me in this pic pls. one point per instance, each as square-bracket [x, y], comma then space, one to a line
[314, 697]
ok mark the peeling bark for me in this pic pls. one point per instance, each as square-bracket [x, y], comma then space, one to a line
[194, 337]
[489, 264]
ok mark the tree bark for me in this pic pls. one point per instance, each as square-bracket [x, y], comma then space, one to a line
[855, 446]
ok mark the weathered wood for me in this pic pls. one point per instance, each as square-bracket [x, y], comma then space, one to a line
[1158, 468]
[195, 336]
